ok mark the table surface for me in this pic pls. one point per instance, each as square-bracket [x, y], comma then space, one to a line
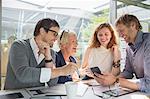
[89, 94]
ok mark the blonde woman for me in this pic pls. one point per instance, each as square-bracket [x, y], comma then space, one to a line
[103, 51]
[68, 46]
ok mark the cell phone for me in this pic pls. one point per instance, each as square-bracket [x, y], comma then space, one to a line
[96, 70]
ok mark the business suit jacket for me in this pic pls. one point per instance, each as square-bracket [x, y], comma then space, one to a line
[23, 70]
[60, 61]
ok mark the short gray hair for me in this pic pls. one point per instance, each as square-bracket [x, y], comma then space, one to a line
[63, 38]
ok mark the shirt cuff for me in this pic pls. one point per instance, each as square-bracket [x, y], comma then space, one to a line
[45, 75]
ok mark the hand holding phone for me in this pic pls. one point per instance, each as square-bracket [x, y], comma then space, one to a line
[96, 70]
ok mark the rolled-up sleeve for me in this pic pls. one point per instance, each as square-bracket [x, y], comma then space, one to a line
[144, 84]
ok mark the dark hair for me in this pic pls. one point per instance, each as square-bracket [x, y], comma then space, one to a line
[46, 24]
[95, 42]
[127, 19]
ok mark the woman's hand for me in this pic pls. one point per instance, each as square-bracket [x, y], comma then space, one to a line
[89, 72]
[75, 77]
[82, 72]
[116, 53]
[69, 69]
[116, 60]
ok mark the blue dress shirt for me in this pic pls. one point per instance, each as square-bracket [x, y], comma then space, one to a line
[138, 61]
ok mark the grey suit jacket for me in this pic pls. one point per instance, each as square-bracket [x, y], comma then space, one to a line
[22, 68]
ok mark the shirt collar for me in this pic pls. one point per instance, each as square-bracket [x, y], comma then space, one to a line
[70, 57]
[138, 41]
[34, 45]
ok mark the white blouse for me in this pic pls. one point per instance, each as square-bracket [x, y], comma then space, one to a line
[102, 58]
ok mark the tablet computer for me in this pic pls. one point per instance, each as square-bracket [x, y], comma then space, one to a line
[118, 92]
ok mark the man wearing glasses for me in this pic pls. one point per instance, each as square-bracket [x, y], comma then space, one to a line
[137, 57]
[31, 61]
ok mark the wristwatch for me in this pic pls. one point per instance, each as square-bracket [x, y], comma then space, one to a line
[48, 61]
[117, 80]
[116, 64]
[117, 84]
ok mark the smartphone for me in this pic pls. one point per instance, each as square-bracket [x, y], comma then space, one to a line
[96, 70]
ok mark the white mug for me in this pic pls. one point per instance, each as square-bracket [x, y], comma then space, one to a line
[71, 89]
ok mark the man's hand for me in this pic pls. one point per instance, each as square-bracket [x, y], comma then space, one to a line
[106, 79]
[44, 48]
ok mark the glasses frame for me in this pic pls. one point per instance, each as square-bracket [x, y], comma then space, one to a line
[55, 33]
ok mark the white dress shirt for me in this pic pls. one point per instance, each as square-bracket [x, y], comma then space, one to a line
[45, 72]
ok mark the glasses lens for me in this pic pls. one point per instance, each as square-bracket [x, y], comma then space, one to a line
[55, 34]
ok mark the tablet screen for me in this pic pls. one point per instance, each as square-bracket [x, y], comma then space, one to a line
[118, 92]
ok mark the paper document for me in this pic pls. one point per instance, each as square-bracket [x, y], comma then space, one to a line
[58, 90]
[109, 92]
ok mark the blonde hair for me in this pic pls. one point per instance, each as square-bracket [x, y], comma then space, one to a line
[63, 38]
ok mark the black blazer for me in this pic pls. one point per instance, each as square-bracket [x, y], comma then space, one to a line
[60, 61]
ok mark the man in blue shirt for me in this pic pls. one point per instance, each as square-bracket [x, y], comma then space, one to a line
[137, 58]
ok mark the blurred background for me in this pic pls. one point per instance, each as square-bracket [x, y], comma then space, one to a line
[20, 16]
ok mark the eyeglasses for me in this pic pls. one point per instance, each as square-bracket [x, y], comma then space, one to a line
[55, 33]
[64, 31]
